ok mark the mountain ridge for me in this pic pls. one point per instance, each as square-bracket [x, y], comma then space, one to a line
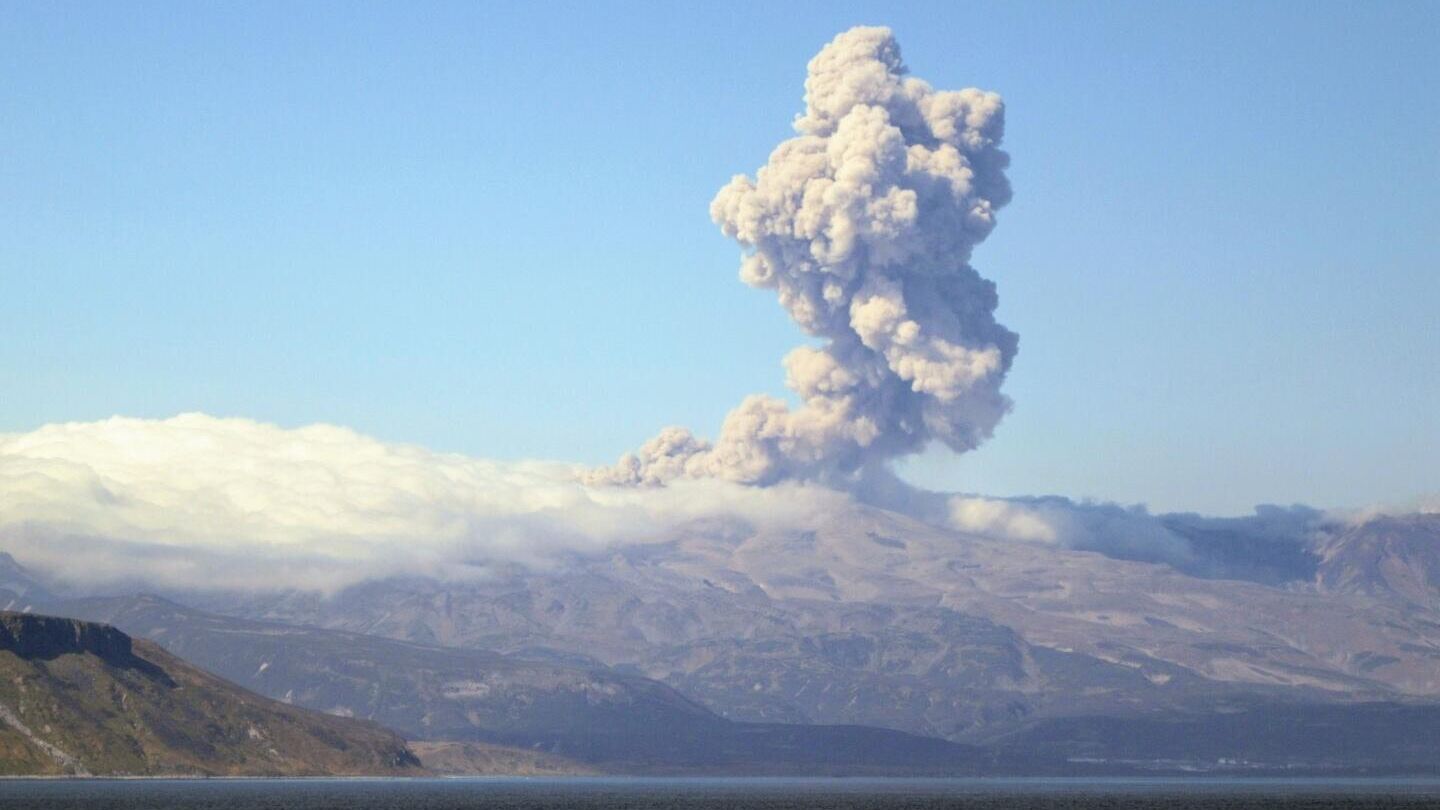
[961, 632]
[82, 699]
[1022, 651]
[600, 719]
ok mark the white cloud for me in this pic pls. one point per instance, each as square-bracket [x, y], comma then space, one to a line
[996, 517]
[1111, 529]
[201, 501]
[198, 502]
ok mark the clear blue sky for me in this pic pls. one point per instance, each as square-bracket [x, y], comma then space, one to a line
[484, 228]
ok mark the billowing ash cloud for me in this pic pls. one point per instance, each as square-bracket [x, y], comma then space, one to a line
[207, 503]
[863, 224]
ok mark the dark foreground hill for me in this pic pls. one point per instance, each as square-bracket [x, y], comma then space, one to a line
[79, 698]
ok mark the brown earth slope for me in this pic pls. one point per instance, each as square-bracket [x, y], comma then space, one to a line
[483, 759]
[80, 698]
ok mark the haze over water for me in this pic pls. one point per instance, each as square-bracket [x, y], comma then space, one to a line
[705, 794]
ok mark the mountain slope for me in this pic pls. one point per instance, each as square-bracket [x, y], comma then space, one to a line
[424, 691]
[875, 619]
[866, 619]
[483, 759]
[1388, 557]
[1239, 733]
[590, 715]
[1358, 739]
[81, 698]
[19, 591]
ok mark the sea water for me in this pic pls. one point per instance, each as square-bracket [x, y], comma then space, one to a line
[711, 794]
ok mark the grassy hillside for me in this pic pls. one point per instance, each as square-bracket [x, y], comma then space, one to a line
[82, 698]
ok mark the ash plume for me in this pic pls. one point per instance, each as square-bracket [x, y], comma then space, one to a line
[863, 224]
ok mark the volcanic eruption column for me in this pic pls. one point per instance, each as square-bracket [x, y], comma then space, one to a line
[863, 224]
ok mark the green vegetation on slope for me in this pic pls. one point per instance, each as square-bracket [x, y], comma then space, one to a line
[80, 698]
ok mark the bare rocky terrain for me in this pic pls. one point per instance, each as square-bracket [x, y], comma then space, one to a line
[470, 759]
[1040, 654]
[876, 619]
[590, 716]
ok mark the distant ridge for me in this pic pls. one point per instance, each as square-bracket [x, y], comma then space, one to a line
[493, 706]
[867, 644]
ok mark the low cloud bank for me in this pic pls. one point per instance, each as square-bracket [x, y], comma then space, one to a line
[1126, 532]
[198, 501]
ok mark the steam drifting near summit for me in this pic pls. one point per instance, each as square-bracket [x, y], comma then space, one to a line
[863, 224]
